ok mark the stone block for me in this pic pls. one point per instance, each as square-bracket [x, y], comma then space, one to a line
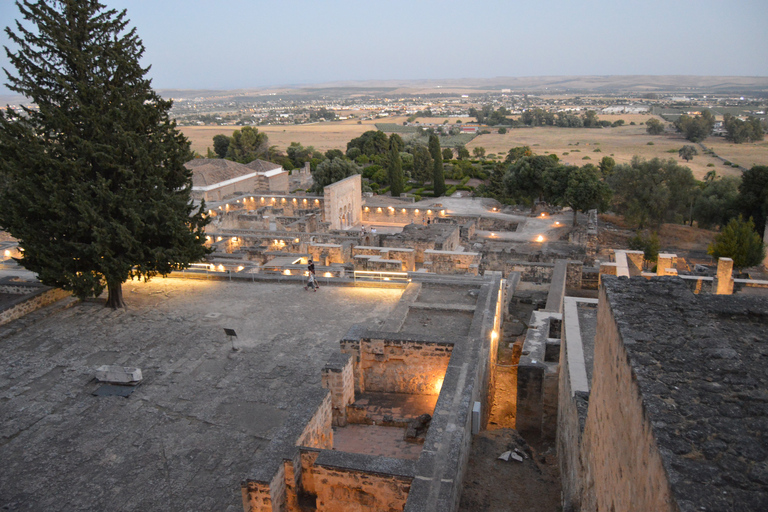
[118, 374]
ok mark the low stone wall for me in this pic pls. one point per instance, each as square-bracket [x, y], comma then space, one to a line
[452, 262]
[328, 254]
[32, 296]
[532, 272]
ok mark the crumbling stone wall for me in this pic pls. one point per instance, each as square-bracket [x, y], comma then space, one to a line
[406, 257]
[338, 377]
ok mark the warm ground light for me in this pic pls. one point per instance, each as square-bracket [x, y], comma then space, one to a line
[582, 145]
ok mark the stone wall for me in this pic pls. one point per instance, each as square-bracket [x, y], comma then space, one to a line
[343, 202]
[346, 482]
[398, 364]
[406, 256]
[328, 254]
[338, 377]
[37, 298]
[318, 433]
[452, 262]
[622, 466]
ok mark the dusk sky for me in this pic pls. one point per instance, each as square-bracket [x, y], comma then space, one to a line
[247, 43]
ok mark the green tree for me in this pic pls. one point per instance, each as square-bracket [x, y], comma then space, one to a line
[502, 130]
[247, 144]
[370, 143]
[740, 242]
[220, 145]
[462, 152]
[606, 166]
[438, 181]
[94, 183]
[650, 245]
[478, 151]
[739, 131]
[654, 127]
[650, 192]
[517, 153]
[299, 154]
[590, 119]
[422, 164]
[331, 171]
[718, 202]
[753, 195]
[524, 180]
[447, 154]
[697, 128]
[687, 153]
[395, 172]
[396, 141]
[586, 191]
[334, 153]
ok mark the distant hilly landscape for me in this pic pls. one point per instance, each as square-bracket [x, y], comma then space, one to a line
[627, 84]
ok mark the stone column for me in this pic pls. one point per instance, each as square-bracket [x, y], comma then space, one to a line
[724, 276]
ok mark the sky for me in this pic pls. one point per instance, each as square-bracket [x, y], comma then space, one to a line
[230, 44]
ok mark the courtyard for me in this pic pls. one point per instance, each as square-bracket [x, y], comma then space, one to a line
[189, 433]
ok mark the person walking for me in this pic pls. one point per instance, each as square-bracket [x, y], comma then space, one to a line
[311, 281]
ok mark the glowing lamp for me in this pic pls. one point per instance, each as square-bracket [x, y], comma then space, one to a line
[438, 385]
[296, 240]
[287, 272]
[240, 268]
[539, 238]
[7, 253]
[328, 274]
[543, 214]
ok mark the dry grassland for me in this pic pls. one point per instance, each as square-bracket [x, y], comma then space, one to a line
[323, 136]
[621, 143]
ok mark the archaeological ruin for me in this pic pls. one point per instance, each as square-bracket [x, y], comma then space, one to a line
[435, 321]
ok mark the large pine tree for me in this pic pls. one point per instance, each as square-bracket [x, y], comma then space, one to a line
[92, 176]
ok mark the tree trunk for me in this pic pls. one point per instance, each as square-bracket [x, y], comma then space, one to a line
[115, 295]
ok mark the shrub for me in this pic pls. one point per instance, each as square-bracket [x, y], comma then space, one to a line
[586, 158]
[650, 143]
[598, 150]
[710, 165]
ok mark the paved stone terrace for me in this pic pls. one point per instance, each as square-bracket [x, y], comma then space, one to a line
[189, 433]
[700, 362]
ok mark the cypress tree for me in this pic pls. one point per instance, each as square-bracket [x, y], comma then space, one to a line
[395, 172]
[438, 181]
[94, 183]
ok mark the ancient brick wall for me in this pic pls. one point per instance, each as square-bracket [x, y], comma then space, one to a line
[407, 257]
[343, 202]
[623, 468]
[328, 254]
[418, 246]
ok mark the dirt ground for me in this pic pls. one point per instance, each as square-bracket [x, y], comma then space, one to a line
[493, 485]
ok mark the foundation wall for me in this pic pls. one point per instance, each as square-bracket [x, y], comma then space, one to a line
[623, 469]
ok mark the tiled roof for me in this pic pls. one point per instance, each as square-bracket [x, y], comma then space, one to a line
[209, 171]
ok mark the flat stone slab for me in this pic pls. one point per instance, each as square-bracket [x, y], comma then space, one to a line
[118, 374]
